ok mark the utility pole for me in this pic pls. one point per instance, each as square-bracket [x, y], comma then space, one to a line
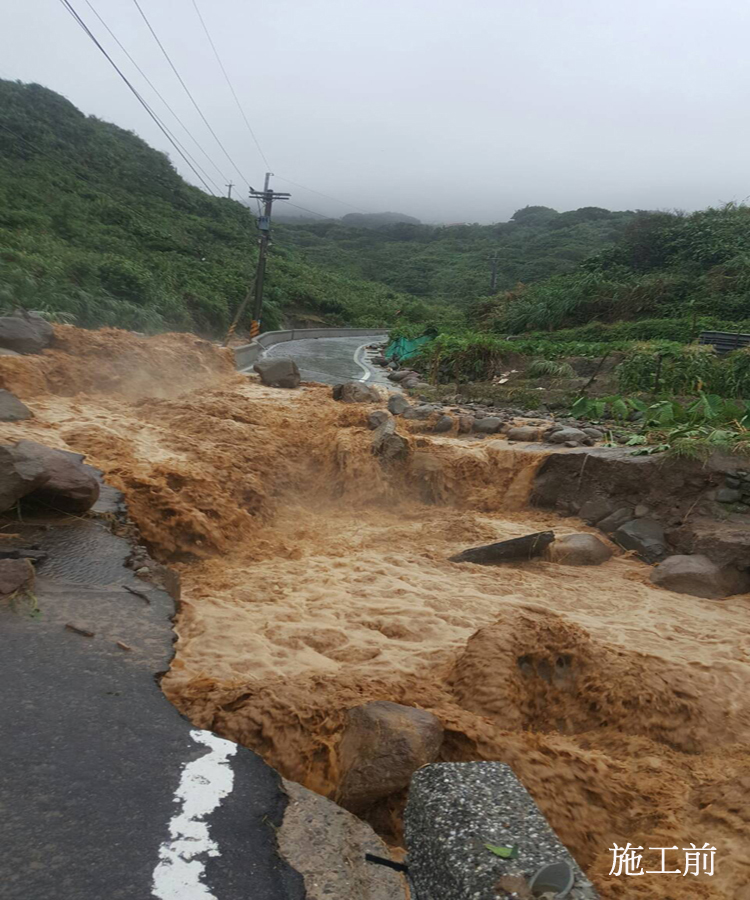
[256, 291]
[229, 189]
[493, 277]
[264, 226]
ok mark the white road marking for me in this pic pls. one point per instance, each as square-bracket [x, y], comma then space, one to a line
[361, 364]
[203, 785]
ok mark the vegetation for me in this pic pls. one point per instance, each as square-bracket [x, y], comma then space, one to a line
[449, 264]
[98, 227]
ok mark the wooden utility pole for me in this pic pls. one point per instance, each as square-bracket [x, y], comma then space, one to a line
[229, 189]
[264, 226]
[256, 291]
[493, 277]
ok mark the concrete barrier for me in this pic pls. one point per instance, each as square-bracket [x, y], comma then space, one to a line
[248, 354]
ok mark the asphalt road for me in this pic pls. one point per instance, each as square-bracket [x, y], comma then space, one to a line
[332, 360]
[105, 790]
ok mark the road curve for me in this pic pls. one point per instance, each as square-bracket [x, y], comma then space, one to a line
[333, 360]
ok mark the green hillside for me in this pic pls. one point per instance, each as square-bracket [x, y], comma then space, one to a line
[97, 226]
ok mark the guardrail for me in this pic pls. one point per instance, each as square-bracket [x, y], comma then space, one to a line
[248, 354]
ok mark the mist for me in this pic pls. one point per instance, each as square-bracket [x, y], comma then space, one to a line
[446, 111]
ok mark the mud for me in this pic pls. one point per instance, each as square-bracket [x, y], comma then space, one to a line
[314, 580]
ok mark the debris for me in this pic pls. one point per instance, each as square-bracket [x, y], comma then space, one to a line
[356, 392]
[11, 408]
[137, 593]
[526, 547]
[123, 646]
[84, 632]
[15, 575]
[279, 371]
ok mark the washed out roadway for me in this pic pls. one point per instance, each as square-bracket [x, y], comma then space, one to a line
[333, 360]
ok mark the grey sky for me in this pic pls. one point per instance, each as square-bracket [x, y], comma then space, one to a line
[450, 110]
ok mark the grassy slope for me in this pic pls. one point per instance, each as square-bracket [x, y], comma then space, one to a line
[97, 224]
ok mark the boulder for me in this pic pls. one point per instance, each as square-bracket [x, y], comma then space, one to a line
[563, 435]
[400, 374]
[376, 418]
[398, 404]
[278, 371]
[11, 408]
[488, 425]
[25, 333]
[594, 433]
[578, 550]
[15, 574]
[645, 536]
[595, 510]
[523, 433]
[410, 382]
[382, 746]
[387, 444]
[443, 424]
[526, 547]
[465, 424]
[420, 412]
[19, 476]
[609, 524]
[67, 485]
[5, 352]
[356, 392]
[700, 577]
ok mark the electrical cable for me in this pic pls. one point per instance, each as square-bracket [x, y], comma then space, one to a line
[68, 5]
[187, 91]
[160, 96]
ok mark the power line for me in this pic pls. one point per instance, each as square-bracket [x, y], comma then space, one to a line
[231, 87]
[305, 209]
[321, 194]
[159, 95]
[79, 20]
[187, 91]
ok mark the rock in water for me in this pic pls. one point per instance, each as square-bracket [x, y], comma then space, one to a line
[645, 536]
[68, 485]
[278, 371]
[388, 444]
[25, 333]
[356, 392]
[19, 476]
[15, 574]
[488, 425]
[526, 547]
[563, 435]
[377, 417]
[465, 424]
[397, 404]
[578, 550]
[383, 744]
[699, 577]
[523, 433]
[443, 424]
[11, 408]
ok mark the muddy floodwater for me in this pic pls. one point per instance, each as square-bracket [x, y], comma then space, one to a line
[315, 580]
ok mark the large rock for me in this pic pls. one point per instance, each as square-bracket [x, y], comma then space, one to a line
[327, 845]
[278, 371]
[578, 550]
[645, 536]
[67, 484]
[698, 576]
[398, 404]
[526, 547]
[383, 744]
[387, 444]
[526, 433]
[15, 575]
[377, 417]
[609, 524]
[356, 392]
[423, 411]
[596, 509]
[400, 374]
[465, 424]
[19, 476]
[454, 810]
[488, 425]
[567, 435]
[25, 333]
[443, 424]
[11, 408]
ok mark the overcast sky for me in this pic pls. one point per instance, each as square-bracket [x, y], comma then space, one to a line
[449, 110]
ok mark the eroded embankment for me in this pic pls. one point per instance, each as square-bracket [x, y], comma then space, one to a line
[313, 580]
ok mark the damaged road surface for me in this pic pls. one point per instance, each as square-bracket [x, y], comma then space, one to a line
[107, 792]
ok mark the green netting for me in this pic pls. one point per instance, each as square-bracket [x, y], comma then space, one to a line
[405, 348]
